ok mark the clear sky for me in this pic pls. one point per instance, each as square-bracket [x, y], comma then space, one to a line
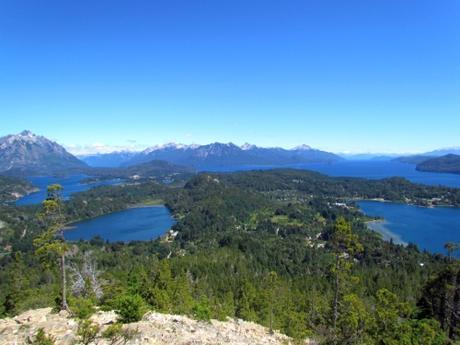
[358, 76]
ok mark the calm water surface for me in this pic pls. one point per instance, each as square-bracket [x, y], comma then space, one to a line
[71, 184]
[134, 224]
[429, 228]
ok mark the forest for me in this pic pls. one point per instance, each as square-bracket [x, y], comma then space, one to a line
[276, 247]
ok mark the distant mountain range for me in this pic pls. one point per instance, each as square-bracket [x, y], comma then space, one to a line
[444, 151]
[214, 156]
[29, 154]
[447, 164]
[218, 155]
[109, 160]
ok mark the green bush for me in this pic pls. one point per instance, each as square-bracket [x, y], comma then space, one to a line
[87, 331]
[130, 308]
[42, 339]
[113, 333]
[117, 334]
[81, 307]
[201, 310]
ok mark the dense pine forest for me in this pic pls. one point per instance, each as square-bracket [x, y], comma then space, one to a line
[287, 249]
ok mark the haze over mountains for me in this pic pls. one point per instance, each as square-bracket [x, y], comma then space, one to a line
[219, 154]
[29, 154]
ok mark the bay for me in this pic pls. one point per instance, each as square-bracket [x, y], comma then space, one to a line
[428, 228]
[133, 224]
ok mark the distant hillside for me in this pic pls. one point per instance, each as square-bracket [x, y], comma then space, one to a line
[448, 164]
[415, 159]
[30, 154]
[109, 160]
[444, 151]
[230, 155]
[159, 170]
[12, 189]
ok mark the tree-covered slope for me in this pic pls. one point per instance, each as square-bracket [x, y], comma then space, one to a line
[12, 188]
[448, 164]
[274, 247]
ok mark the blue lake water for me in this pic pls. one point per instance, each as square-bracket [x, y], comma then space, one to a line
[71, 185]
[134, 224]
[429, 228]
[367, 169]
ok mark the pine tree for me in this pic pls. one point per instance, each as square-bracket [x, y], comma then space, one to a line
[51, 244]
[345, 245]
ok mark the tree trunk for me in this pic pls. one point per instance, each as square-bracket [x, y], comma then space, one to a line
[271, 317]
[453, 306]
[64, 305]
[336, 296]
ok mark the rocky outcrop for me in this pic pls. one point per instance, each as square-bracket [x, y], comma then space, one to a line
[155, 328]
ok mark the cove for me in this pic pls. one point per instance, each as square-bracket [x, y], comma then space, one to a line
[133, 224]
[428, 228]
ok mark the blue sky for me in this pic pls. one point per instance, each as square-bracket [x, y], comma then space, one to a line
[358, 76]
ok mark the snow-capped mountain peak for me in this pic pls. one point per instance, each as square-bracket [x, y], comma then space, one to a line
[27, 152]
[167, 146]
[247, 146]
[302, 147]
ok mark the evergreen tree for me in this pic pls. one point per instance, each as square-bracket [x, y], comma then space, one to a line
[451, 247]
[345, 245]
[51, 244]
[441, 300]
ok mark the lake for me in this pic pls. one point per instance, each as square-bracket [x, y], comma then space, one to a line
[71, 184]
[134, 224]
[365, 169]
[370, 169]
[429, 228]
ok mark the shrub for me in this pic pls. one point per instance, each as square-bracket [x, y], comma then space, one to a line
[113, 333]
[42, 339]
[201, 310]
[116, 334]
[130, 308]
[87, 331]
[81, 307]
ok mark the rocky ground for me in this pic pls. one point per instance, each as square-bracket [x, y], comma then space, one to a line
[155, 328]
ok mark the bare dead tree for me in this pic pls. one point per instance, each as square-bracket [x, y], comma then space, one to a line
[86, 274]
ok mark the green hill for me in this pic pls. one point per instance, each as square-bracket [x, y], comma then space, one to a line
[447, 164]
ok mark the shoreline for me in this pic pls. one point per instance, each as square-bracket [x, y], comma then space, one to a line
[70, 225]
[380, 226]
[403, 203]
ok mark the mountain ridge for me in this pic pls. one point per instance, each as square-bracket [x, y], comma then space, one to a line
[29, 154]
[228, 154]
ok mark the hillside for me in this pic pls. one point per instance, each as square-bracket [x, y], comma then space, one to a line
[259, 246]
[154, 328]
[447, 164]
[161, 170]
[29, 154]
[415, 159]
[12, 189]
